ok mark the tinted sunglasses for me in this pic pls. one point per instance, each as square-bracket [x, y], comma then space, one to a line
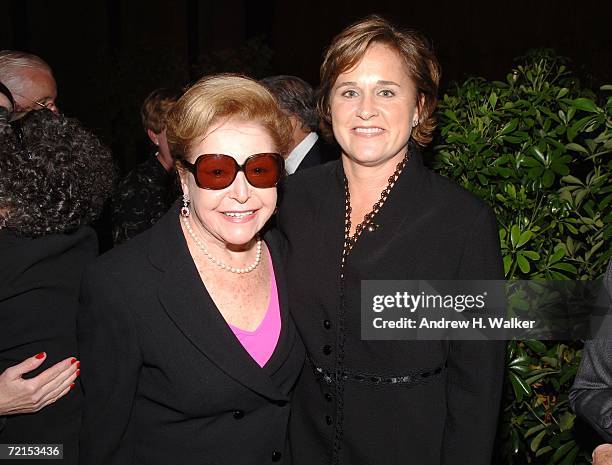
[217, 171]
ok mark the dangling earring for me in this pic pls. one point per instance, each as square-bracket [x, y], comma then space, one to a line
[185, 208]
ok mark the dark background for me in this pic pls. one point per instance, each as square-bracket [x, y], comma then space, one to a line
[107, 55]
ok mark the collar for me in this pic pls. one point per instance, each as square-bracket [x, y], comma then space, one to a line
[300, 151]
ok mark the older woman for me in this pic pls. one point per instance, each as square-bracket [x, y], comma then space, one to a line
[379, 214]
[191, 353]
[54, 178]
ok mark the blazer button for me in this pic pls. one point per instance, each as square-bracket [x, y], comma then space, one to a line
[276, 456]
[327, 349]
[328, 397]
[329, 420]
[238, 414]
[326, 324]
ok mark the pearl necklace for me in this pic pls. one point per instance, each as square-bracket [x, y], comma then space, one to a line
[219, 263]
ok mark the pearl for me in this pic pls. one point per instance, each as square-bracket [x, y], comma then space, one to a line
[222, 265]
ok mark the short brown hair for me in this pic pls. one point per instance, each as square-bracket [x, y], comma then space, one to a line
[155, 108]
[349, 47]
[224, 96]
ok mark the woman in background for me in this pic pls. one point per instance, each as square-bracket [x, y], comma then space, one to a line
[54, 178]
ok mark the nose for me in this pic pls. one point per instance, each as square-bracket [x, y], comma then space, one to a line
[240, 190]
[367, 108]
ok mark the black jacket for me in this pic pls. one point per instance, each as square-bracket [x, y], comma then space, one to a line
[39, 288]
[321, 152]
[591, 394]
[347, 409]
[165, 379]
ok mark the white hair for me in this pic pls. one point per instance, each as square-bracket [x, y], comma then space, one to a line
[12, 60]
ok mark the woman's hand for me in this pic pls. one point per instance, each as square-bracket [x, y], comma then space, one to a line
[18, 395]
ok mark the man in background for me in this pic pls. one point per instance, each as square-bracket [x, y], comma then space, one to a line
[30, 80]
[297, 99]
[148, 191]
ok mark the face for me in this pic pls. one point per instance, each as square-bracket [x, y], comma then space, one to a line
[373, 108]
[230, 216]
[36, 88]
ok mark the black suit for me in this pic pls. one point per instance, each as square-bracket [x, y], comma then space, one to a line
[320, 153]
[388, 402]
[165, 379]
[591, 394]
[39, 288]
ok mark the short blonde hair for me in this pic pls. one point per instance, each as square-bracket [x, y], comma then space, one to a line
[155, 109]
[224, 96]
[350, 46]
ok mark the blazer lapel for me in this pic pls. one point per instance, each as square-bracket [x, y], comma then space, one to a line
[188, 304]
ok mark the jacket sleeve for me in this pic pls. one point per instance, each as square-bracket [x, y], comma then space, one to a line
[475, 368]
[591, 394]
[111, 362]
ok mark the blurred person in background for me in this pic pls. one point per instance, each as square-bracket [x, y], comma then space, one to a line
[54, 177]
[30, 80]
[297, 99]
[149, 190]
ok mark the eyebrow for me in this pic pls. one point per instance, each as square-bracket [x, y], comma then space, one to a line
[379, 83]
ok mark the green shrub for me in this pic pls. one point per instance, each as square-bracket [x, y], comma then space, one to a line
[537, 148]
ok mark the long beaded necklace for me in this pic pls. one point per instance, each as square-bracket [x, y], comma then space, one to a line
[367, 223]
[219, 263]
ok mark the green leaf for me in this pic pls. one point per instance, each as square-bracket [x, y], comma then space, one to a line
[606, 87]
[531, 255]
[565, 267]
[576, 147]
[535, 443]
[566, 422]
[515, 234]
[585, 104]
[509, 127]
[520, 388]
[534, 429]
[524, 238]
[537, 346]
[548, 178]
[543, 451]
[507, 264]
[571, 457]
[562, 451]
[523, 263]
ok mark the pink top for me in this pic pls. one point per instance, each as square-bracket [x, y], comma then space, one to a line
[260, 344]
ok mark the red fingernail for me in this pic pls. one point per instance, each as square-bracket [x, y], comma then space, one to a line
[72, 361]
[40, 356]
[78, 372]
[79, 365]
[72, 386]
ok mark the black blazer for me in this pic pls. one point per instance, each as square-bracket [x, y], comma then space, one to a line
[165, 379]
[320, 153]
[39, 288]
[591, 394]
[388, 402]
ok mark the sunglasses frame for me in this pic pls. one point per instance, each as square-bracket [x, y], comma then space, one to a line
[193, 168]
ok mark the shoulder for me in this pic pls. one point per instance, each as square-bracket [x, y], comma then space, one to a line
[308, 184]
[452, 200]
[120, 263]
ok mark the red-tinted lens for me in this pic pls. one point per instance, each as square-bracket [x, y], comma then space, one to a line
[215, 171]
[264, 170]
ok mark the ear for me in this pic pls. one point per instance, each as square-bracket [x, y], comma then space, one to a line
[419, 110]
[153, 136]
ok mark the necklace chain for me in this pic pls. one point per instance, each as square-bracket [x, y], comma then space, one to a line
[219, 263]
[367, 223]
